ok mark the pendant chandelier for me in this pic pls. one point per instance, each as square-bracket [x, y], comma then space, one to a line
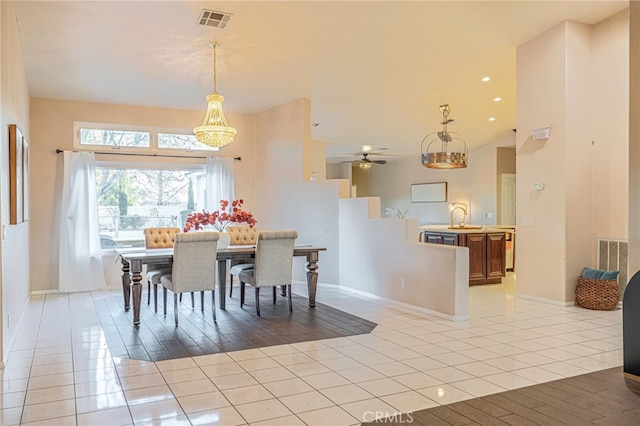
[445, 157]
[214, 130]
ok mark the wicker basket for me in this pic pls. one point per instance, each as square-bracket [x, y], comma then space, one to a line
[601, 295]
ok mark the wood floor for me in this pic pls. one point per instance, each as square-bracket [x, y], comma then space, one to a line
[601, 398]
[158, 339]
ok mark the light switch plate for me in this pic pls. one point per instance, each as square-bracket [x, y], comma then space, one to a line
[538, 186]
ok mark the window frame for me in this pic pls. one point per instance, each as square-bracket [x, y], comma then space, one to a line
[153, 147]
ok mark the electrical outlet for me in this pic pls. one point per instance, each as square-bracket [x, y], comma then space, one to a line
[401, 282]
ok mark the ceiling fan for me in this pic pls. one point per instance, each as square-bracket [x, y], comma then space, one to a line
[365, 162]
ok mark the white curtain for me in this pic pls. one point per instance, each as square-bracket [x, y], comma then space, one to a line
[220, 183]
[80, 256]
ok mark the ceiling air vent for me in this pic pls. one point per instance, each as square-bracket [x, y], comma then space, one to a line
[212, 18]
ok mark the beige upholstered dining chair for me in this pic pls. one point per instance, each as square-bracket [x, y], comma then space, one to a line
[272, 265]
[240, 235]
[157, 238]
[194, 268]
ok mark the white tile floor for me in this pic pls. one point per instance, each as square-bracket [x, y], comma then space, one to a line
[61, 373]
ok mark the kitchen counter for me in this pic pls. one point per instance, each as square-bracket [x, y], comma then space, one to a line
[487, 249]
[468, 229]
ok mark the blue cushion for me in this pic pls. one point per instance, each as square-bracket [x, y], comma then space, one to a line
[599, 274]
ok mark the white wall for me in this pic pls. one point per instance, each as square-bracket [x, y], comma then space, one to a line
[378, 253]
[610, 72]
[14, 109]
[286, 198]
[565, 78]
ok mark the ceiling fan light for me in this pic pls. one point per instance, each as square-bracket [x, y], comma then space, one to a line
[364, 165]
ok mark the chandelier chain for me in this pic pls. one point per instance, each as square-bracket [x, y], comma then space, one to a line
[214, 44]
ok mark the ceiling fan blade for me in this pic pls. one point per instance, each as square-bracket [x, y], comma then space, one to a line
[379, 161]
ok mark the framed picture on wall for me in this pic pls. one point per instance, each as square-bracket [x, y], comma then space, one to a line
[18, 176]
[435, 192]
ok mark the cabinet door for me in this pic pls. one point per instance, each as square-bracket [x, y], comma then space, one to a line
[450, 239]
[477, 244]
[496, 255]
[433, 238]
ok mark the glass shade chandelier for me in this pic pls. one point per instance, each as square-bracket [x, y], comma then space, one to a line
[445, 157]
[214, 130]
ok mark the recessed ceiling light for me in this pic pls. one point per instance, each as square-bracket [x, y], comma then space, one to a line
[498, 99]
[492, 119]
[485, 79]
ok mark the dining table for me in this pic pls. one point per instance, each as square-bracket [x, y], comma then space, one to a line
[132, 260]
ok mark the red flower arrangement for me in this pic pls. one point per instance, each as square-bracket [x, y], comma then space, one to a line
[220, 219]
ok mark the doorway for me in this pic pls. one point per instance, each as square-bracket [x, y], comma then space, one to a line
[508, 199]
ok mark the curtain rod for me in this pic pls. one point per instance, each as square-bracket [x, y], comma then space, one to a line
[58, 151]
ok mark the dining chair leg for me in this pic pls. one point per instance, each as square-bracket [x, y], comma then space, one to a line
[274, 295]
[230, 285]
[193, 301]
[155, 298]
[148, 292]
[202, 300]
[258, 301]
[164, 299]
[175, 307]
[213, 304]
[290, 302]
[241, 294]
[180, 297]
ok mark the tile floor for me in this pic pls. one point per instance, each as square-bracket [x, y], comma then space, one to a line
[60, 372]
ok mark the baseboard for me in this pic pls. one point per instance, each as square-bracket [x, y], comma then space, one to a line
[545, 300]
[40, 292]
[393, 302]
[9, 347]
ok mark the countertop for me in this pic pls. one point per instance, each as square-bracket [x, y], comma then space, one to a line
[469, 229]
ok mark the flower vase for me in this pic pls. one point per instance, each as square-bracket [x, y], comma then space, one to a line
[224, 240]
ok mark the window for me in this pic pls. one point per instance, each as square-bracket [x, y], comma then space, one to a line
[133, 196]
[136, 138]
[114, 138]
[130, 200]
[180, 141]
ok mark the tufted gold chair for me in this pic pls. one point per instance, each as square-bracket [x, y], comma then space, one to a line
[240, 236]
[158, 238]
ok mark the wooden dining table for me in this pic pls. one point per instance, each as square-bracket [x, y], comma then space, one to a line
[133, 259]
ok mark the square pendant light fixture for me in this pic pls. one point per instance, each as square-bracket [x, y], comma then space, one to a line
[445, 157]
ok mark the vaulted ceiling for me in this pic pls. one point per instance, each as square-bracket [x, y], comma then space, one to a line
[375, 71]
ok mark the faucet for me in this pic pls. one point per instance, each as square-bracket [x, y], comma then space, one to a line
[461, 206]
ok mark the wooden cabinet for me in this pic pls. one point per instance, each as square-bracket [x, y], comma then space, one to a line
[447, 238]
[487, 256]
